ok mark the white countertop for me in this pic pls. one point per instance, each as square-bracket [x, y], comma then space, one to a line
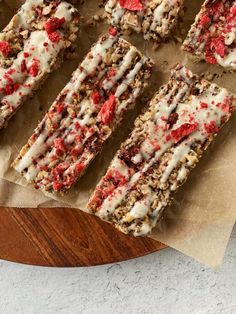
[161, 283]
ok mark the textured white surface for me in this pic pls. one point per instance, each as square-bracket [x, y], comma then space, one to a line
[166, 282]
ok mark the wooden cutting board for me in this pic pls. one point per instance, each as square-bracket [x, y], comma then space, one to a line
[62, 237]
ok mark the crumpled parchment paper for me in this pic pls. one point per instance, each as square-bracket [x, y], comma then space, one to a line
[201, 219]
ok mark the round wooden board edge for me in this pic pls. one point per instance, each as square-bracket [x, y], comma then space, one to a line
[65, 237]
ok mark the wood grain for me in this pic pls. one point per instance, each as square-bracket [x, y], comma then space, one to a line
[62, 237]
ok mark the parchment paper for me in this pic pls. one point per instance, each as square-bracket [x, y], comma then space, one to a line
[200, 222]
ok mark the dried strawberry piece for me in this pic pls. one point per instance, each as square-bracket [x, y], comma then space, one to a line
[116, 177]
[155, 145]
[108, 110]
[58, 151]
[59, 144]
[53, 24]
[43, 168]
[69, 181]
[106, 191]
[54, 37]
[103, 192]
[233, 9]
[184, 130]
[210, 58]
[203, 105]
[231, 18]
[10, 72]
[97, 199]
[217, 45]
[60, 107]
[34, 68]
[8, 77]
[216, 9]
[59, 170]
[57, 186]
[112, 31]
[55, 125]
[76, 151]
[211, 127]
[78, 138]
[5, 48]
[225, 106]
[79, 167]
[9, 89]
[16, 86]
[77, 125]
[96, 97]
[132, 5]
[205, 20]
[112, 72]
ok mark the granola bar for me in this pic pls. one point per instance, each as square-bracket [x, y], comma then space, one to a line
[31, 46]
[213, 35]
[168, 139]
[155, 19]
[85, 114]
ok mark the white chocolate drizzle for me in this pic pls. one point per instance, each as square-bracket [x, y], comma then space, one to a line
[160, 21]
[37, 48]
[201, 37]
[87, 113]
[210, 107]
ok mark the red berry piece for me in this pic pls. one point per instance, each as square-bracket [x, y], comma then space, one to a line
[217, 45]
[54, 37]
[211, 127]
[34, 68]
[203, 105]
[184, 130]
[113, 31]
[107, 111]
[53, 24]
[57, 186]
[205, 20]
[96, 97]
[59, 146]
[5, 48]
[112, 72]
[79, 167]
[132, 5]
[60, 107]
